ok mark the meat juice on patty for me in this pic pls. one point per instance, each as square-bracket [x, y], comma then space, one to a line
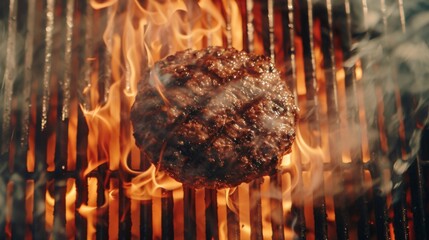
[214, 117]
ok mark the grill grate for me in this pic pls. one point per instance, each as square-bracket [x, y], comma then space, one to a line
[46, 75]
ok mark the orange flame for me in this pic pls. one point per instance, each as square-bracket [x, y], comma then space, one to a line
[150, 32]
[136, 36]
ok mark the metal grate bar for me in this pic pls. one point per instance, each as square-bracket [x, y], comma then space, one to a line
[85, 85]
[394, 154]
[297, 218]
[190, 228]
[267, 13]
[62, 33]
[41, 133]
[352, 28]
[254, 186]
[232, 218]
[145, 208]
[413, 118]
[327, 37]
[424, 160]
[212, 230]
[374, 144]
[418, 199]
[379, 202]
[105, 178]
[276, 204]
[19, 111]
[124, 201]
[4, 15]
[379, 199]
[47, 70]
[125, 215]
[377, 163]
[297, 223]
[81, 20]
[24, 104]
[101, 53]
[353, 24]
[410, 124]
[312, 108]
[250, 29]
[59, 228]
[402, 15]
[227, 14]
[65, 83]
[81, 182]
[255, 209]
[400, 220]
[189, 213]
[9, 79]
[104, 68]
[167, 223]
[289, 50]
[392, 109]
[311, 85]
[103, 181]
[146, 219]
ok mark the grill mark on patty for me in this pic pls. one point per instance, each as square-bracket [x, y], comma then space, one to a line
[199, 149]
[221, 130]
[201, 103]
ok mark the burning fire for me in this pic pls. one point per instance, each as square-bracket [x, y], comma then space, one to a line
[138, 34]
[84, 177]
[147, 33]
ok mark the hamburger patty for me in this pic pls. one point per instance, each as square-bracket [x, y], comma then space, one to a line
[215, 117]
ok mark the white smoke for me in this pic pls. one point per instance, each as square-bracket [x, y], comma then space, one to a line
[397, 64]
